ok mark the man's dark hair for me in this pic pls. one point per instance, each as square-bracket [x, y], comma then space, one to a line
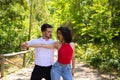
[66, 33]
[44, 26]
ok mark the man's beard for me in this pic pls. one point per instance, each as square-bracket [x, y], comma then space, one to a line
[48, 36]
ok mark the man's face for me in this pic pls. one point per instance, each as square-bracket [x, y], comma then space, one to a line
[48, 33]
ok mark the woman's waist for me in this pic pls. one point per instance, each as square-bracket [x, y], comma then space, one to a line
[64, 61]
[62, 64]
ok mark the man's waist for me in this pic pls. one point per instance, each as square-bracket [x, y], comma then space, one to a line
[44, 62]
[43, 66]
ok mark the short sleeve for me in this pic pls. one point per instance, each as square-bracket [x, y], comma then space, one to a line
[31, 42]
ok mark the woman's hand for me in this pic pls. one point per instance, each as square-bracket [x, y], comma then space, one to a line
[73, 72]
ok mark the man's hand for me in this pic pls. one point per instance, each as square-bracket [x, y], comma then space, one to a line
[24, 46]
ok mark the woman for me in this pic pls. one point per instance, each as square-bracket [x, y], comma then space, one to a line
[65, 55]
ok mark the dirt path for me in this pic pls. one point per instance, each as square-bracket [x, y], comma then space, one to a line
[82, 72]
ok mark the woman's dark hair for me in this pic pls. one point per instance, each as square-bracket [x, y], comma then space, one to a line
[44, 26]
[66, 33]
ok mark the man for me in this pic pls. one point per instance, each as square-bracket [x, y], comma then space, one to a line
[43, 56]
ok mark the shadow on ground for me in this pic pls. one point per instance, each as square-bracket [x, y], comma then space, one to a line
[84, 72]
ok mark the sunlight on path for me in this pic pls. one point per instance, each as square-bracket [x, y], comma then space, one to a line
[23, 74]
[82, 72]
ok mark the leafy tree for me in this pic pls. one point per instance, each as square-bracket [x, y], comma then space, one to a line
[13, 22]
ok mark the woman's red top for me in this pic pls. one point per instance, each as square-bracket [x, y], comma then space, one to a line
[65, 53]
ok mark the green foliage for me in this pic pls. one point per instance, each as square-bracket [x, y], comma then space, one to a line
[13, 20]
[95, 25]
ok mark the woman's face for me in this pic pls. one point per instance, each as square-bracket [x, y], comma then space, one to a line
[60, 36]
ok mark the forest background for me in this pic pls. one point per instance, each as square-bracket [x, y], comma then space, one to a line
[95, 26]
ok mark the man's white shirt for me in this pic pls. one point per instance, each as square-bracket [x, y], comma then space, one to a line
[43, 56]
